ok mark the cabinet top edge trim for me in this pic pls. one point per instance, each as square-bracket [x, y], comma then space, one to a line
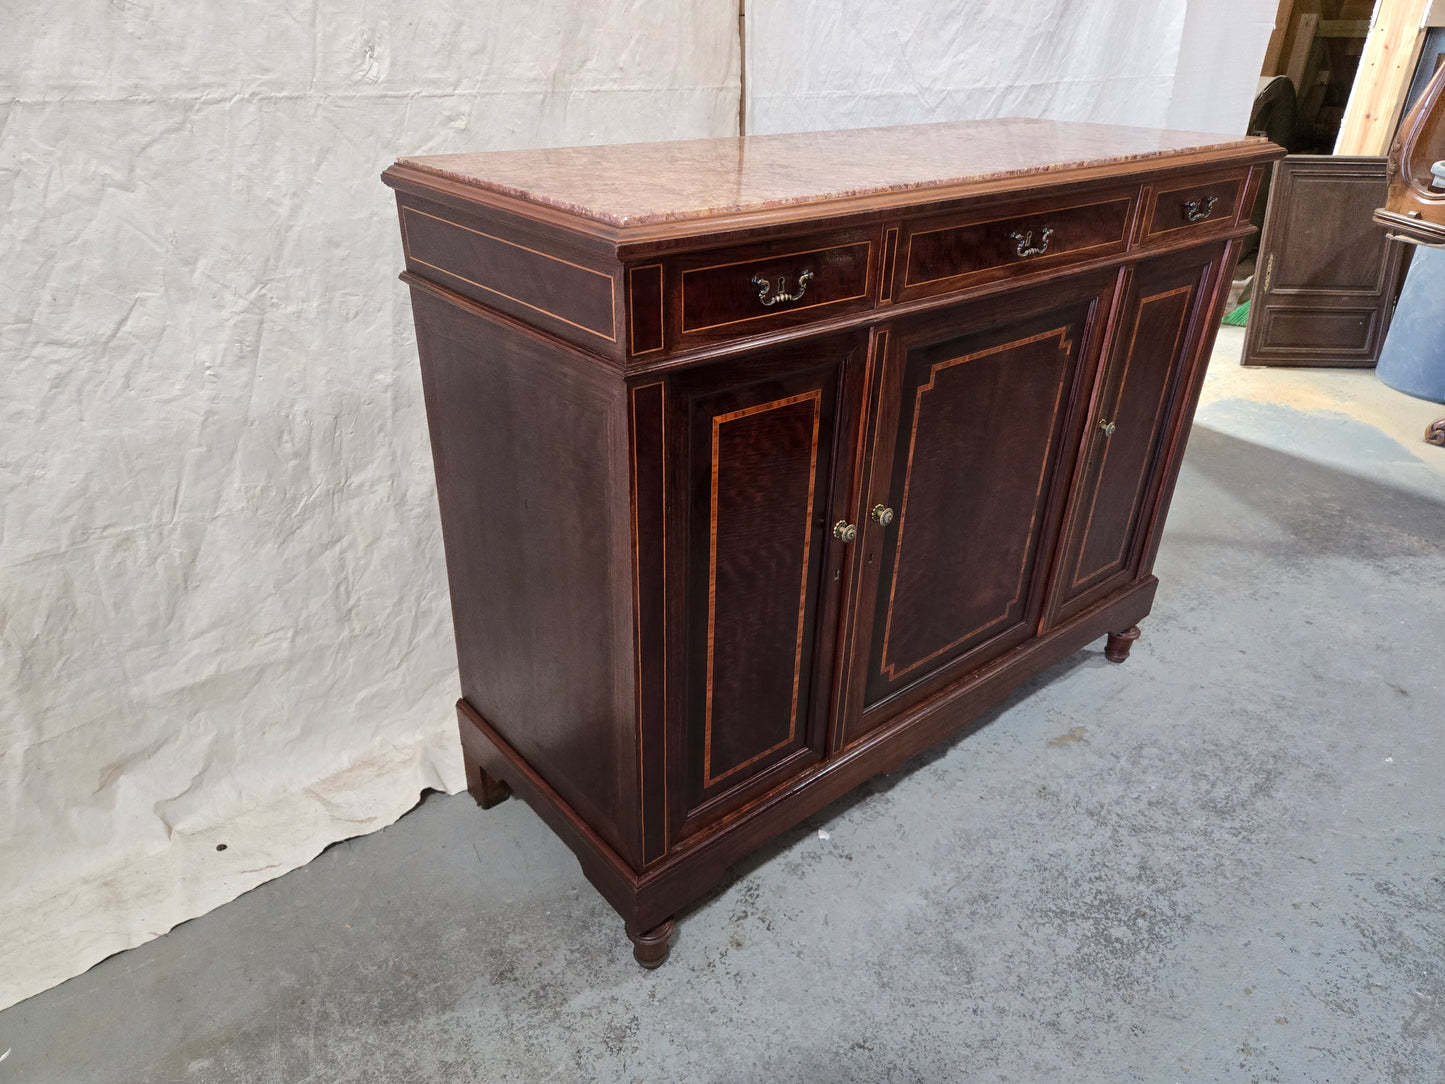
[634, 238]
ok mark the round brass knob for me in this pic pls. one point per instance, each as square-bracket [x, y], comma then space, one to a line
[883, 515]
[844, 531]
[1107, 428]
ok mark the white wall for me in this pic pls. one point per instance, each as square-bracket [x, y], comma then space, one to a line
[223, 615]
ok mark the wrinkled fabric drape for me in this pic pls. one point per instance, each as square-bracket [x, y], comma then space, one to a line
[815, 64]
[223, 613]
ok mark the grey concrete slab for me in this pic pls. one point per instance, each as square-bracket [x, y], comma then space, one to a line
[1221, 861]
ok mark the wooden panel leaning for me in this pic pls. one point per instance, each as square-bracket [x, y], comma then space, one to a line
[766, 464]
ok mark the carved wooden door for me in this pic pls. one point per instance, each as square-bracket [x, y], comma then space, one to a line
[1136, 412]
[763, 476]
[978, 423]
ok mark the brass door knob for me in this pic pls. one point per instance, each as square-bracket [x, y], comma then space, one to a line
[1107, 427]
[844, 531]
[883, 515]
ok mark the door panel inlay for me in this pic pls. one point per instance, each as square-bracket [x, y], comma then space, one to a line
[975, 454]
[754, 519]
[1134, 403]
[756, 484]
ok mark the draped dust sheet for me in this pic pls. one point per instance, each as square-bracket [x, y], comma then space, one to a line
[223, 614]
[223, 611]
[818, 64]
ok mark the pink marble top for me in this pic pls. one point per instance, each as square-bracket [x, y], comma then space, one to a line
[640, 183]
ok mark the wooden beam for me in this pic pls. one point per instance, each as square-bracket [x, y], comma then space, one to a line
[1386, 67]
[1299, 54]
[1344, 28]
[1274, 51]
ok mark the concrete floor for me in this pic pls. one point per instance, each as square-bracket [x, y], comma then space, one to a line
[1224, 860]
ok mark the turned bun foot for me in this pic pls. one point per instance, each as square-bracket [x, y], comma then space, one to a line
[1435, 432]
[652, 946]
[1116, 648]
[486, 790]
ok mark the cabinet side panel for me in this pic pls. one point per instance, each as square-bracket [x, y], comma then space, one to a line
[530, 443]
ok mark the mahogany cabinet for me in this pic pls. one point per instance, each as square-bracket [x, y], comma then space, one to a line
[764, 464]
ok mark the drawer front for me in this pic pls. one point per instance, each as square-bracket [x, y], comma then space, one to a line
[947, 253]
[535, 281]
[1193, 205]
[731, 293]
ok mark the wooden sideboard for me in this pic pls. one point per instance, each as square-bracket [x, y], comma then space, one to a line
[766, 463]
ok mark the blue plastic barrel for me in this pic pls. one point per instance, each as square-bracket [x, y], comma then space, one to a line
[1413, 358]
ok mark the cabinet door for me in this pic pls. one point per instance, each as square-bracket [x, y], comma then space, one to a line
[1327, 275]
[764, 475]
[977, 423]
[1136, 410]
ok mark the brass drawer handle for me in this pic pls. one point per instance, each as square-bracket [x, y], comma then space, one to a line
[882, 515]
[1107, 428]
[780, 292]
[1025, 242]
[844, 531]
[1198, 210]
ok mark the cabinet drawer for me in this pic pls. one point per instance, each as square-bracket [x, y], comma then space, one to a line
[1193, 205]
[727, 293]
[952, 251]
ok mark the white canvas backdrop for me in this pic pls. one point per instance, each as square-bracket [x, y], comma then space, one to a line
[222, 606]
[818, 64]
[223, 615]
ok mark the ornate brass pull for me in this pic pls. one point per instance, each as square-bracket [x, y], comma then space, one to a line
[844, 531]
[1025, 241]
[882, 515]
[1107, 427]
[780, 292]
[1198, 210]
